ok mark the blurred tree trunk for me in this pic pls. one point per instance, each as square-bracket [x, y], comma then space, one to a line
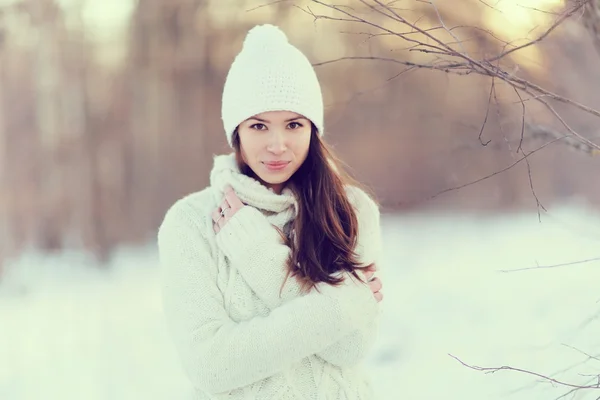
[5, 211]
[93, 219]
[168, 52]
[47, 74]
[151, 99]
[74, 104]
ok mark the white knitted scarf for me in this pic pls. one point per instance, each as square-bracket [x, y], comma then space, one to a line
[278, 208]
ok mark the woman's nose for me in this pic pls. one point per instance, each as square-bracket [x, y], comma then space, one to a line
[277, 142]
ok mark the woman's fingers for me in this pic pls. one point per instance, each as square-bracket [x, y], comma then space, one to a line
[232, 199]
[215, 215]
[378, 296]
[228, 207]
[375, 285]
[218, 219]
[224, 205]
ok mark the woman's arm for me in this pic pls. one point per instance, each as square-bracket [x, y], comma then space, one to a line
[256, 248]
[220, 355]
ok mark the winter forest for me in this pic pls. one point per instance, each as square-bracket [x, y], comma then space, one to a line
[476, 123]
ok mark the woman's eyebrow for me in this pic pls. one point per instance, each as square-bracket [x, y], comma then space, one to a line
[267, 121]
[258, 119]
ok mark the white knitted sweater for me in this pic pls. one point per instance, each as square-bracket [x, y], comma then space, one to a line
[236, 336]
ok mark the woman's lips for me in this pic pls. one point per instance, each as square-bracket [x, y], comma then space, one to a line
[276, 165]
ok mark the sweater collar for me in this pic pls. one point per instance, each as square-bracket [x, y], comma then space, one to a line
[279, 208]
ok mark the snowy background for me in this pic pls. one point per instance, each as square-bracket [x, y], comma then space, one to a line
[71, 331]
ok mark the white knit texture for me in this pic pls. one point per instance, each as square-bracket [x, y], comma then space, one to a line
[270, 74]
[237, 338]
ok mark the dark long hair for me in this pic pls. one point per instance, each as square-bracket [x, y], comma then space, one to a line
[324, 233]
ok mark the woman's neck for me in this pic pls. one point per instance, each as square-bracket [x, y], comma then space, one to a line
[277, 188]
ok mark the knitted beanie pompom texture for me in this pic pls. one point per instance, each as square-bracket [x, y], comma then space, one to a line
[270, 74]
[264, 36]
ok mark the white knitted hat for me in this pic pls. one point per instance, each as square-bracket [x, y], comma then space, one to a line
[270, 74]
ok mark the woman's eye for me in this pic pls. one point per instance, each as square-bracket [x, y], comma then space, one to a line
[294, 125]
[258, 127]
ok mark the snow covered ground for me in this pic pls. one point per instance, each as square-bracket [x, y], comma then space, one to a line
[68, 331]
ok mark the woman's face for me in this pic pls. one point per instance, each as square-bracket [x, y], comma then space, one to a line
[274, 145]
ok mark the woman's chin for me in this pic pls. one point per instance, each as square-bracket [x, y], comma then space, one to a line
[273, 179]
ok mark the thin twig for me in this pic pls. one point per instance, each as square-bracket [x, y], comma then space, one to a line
[491, 370]
[520, 148]
[589, 356]
[266, 5]
[494, 173]
[487, 112]
[579, 262]
[537, 200]
[439, 16]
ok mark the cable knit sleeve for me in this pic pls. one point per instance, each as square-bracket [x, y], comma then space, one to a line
[260, 256]
[220, 355]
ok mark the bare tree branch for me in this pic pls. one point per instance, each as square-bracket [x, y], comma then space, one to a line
[437, 11]
[590, 357]
[579, 262]
[591, 20]
[520, 148]
[563, 17]
[449, 60]
[537, 200]
[487, 112]
[469, 64]
[266, 5]
[544, 132]
[491, 370]
[494, 173]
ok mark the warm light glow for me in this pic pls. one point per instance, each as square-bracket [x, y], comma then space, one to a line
[105, 22]
[520, 21]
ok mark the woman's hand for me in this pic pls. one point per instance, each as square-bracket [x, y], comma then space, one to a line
[227, 209]
[374, 282]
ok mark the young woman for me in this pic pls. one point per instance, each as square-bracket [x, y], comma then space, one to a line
[268, 273]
